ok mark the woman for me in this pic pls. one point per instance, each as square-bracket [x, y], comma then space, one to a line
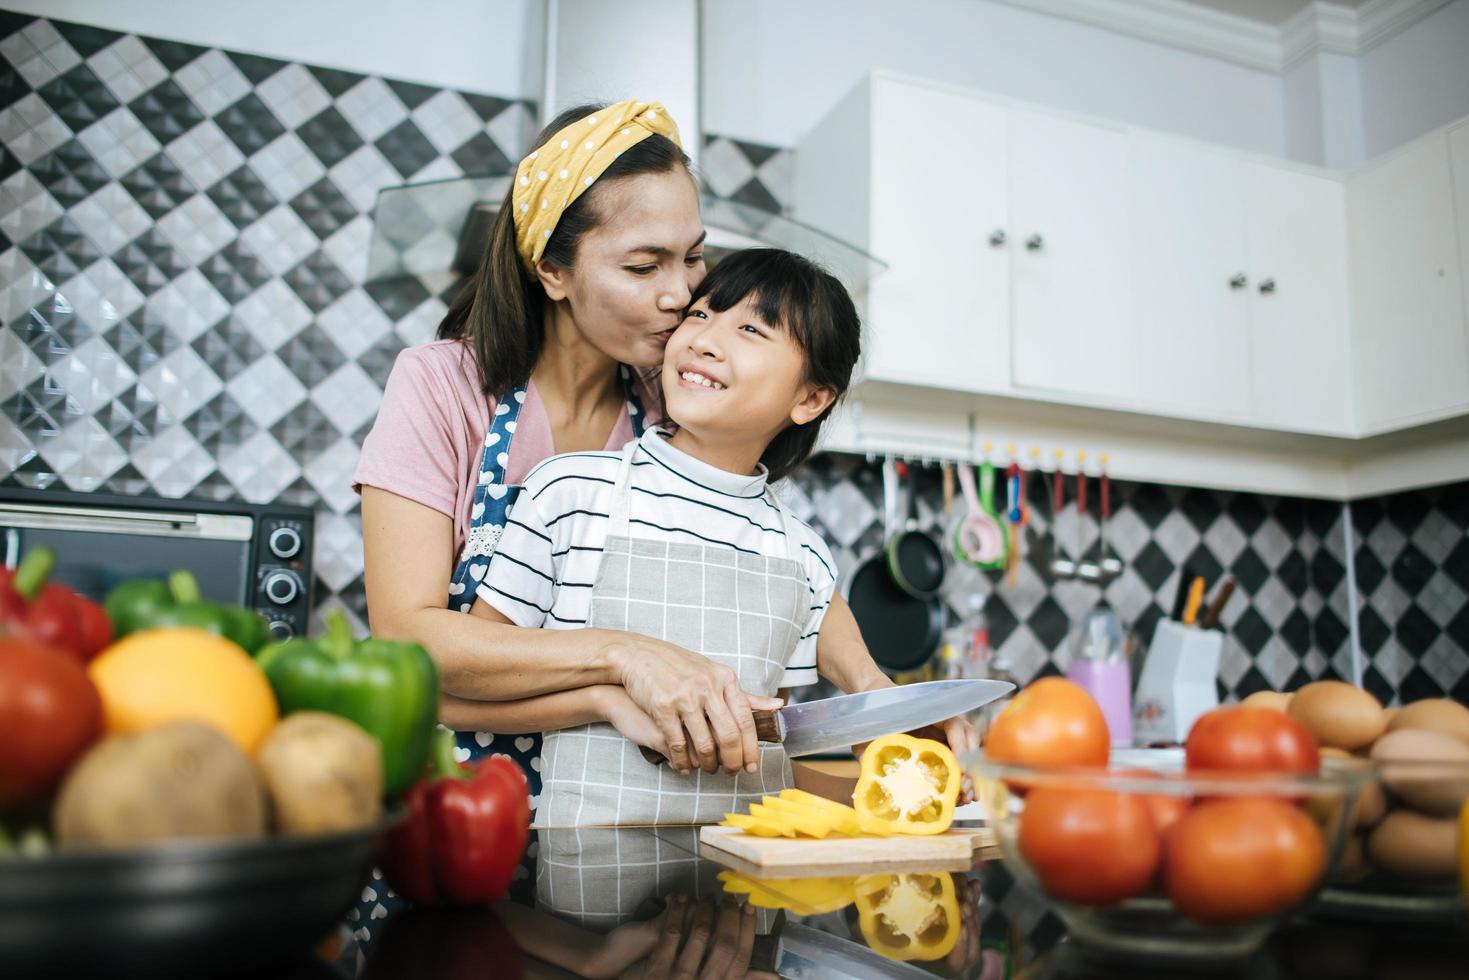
[549, 350]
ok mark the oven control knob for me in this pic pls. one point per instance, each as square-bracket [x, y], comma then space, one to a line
[281, 588]
[280, 630]
[285, 542]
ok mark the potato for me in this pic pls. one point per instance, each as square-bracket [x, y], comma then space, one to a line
[324, 774]
[180, 780]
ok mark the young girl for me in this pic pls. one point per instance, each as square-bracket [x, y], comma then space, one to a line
[679, 537]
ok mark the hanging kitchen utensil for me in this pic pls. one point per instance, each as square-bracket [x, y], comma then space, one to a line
[1111, 564]
[901, 632]
[915, 559]
[1062, 565]
[947, 472]
[1086, 569]
[980, 539]
[1015, 520]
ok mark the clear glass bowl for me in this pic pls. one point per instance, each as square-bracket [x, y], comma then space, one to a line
[1172, 912]
[1400, 857]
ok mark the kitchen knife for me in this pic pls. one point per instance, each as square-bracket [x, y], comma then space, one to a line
[801, 952]
[844, 721]
[1216, 608]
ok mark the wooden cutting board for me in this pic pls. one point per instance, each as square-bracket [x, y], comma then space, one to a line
[787, 857]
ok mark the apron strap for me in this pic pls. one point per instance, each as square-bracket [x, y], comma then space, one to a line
[617, 522]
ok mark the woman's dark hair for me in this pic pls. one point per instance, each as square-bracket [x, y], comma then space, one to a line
[796, 295]
[500, 312]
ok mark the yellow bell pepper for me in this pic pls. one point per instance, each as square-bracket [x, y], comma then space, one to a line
[800, 821]
[795, 814]
[909, 916]
[844, 818]
[907, 786]
[757, 825]
[799, 896]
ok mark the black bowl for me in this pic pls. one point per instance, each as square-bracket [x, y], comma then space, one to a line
[182, 909]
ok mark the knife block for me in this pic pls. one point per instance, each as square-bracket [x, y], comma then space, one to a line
[1178, 683]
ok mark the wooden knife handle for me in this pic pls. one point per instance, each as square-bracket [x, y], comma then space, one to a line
[767, 729]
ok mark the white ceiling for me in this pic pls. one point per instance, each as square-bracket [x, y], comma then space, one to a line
[1268, 11]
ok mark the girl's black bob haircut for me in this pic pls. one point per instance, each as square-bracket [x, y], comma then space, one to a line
[793, 294]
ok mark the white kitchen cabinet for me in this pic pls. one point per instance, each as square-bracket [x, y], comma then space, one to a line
[1298, 291]
[1191, 280]
[1072, 326]
[1459, 162]
[939, 315]
[1409, 345]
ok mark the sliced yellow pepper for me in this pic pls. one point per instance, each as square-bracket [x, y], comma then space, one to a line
[757, 826]
[844, 818]
[808, 825]
[907, 786]
[909, 916]
[799, 896]
[795, 813]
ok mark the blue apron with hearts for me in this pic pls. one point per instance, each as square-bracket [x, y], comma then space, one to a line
[493, 498]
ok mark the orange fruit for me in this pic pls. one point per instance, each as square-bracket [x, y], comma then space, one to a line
[159, 676]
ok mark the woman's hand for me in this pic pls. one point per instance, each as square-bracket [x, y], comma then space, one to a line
[705, 718]
[622, 713]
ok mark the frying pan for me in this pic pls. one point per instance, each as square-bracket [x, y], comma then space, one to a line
[915, 559]
[901, 632]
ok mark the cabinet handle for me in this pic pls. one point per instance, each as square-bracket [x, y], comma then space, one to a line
[997, 237]
[1034, 243]
[1238, 281]
[1267, 285]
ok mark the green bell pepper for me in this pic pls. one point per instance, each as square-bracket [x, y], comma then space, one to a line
[147, 604]
[389, 688]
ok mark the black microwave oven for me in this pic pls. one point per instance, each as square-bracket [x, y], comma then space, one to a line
[258, 556]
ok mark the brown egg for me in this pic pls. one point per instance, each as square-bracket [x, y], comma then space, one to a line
[1274, 700]
[1428, 770]
[1371, 805]
[1410, 845]
[1434, 715]
[1354, 866]
[1338, 714]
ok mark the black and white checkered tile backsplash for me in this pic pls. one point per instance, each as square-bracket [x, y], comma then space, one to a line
[183, 311]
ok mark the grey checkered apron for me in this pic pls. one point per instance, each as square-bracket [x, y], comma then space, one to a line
[742, 610]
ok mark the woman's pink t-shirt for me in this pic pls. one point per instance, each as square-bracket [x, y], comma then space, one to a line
[428, 440]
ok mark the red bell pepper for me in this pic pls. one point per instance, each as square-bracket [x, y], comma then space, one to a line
[467, 827]
[51, 613]
[50, 713]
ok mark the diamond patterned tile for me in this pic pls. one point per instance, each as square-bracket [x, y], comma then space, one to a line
[141, 342]
[22, 285]
[349, 397]
[102, 294]
[127, 68]
[481, 155]
[212, 81]
[60, 250]
[259, 468]
[250, 124]
[221, 425]
[406, 149]
[19, 365]
[336, 81]
[324, 208]
[311, 355]
[25, 206]
[196, 229]
[166, 111]
[513, 129]
[371, 107]
[293, 95]
[83, 454]
[78, 97]
[724, 168]
[256, 68]
[39, 53]
[337, 559]
[204, 154]
[149, 262]
[188, 306]
[305, 431]
[182, 383]
[235, 271]
[158, 185]
[286, 166]
[70, 174]
[30, 129]
[317, 281]
[111, 218]
[281, 240]
[266, 390]
[330, 472]
[360, 176]
[92, 375]
[85, 39]
[272, 314]
[174, 54]
[173, 461]
[329, 136]
[354, 322]
[242, 197]
[421, 324]
[447, 121]
[15, 447]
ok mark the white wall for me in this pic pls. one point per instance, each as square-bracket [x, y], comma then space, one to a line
[1417, 80]
[489, 46]
[772, 68]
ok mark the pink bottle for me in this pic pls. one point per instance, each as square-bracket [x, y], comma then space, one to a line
[1099, 666]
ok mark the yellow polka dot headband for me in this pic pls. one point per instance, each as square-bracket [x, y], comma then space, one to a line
[558, 172]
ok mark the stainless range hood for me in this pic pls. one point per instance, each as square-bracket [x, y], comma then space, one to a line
[440, 228]
[593, 50]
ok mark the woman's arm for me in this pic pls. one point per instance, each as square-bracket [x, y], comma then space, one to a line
[697, 705]
[549, 712]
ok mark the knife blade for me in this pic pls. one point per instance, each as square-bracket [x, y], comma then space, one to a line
[845, 720]
[803, 953]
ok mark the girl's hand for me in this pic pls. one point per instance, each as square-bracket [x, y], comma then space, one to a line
[633, 722]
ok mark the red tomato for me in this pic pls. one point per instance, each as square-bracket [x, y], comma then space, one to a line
[1166, 810]
[1089, 846]
[1053, 722]
[1233, 860]
[1241, 739]
[50, 713]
